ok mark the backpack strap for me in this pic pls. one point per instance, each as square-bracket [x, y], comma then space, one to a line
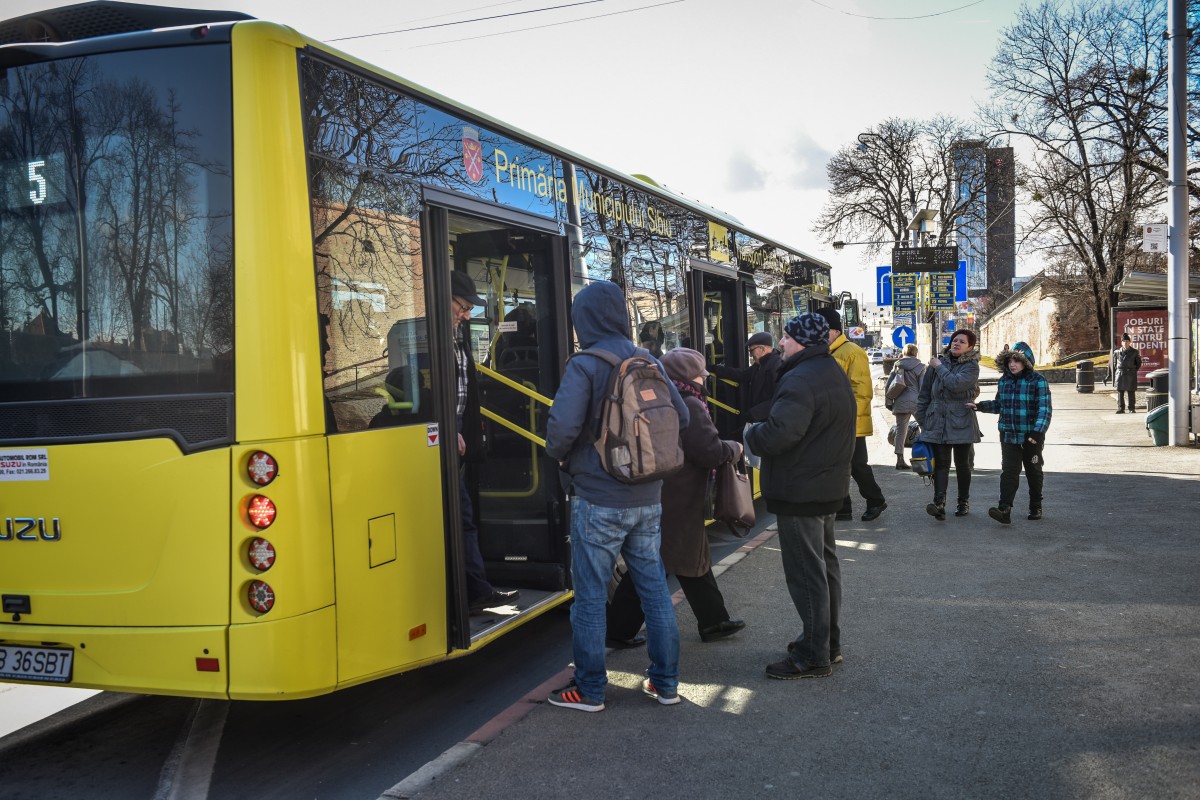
[613, 361]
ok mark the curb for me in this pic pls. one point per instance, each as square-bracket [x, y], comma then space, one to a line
[486, 733]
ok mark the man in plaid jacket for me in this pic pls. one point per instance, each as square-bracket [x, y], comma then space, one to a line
[1023, 403]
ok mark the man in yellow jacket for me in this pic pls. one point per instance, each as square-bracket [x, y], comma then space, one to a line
[854, 361]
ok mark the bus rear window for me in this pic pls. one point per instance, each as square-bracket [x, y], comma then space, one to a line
[116, 238]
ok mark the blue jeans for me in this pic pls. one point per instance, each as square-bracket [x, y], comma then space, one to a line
[598, 534]
[814, 580]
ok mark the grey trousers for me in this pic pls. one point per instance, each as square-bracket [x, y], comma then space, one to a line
[814, 580]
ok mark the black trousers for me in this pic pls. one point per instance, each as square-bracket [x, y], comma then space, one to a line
[624, 614]
[1121, 394]
[1012, 458]
[864, 477]
[964, 458]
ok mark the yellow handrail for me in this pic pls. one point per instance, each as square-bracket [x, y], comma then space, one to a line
[724, 407]
[514, 385]
[512, 426]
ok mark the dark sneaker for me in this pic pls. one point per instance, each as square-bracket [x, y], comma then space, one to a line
[788, 670]
[1120, 411]
[936, 510]
[570, 697]
[873, 512]
[722, 629]
[963, 509]
[835, 656]
[1035, 512]
[663, 698]
[1002, 514]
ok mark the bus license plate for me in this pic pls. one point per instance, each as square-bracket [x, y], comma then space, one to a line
[51, 664]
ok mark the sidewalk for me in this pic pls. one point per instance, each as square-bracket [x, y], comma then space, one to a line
[1051, 659]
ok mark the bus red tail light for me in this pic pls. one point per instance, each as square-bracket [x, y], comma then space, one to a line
[261, 596]
[261, 468]
[261, 554]
[261, 511]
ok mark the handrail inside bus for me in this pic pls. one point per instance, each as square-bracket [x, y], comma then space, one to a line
[723, 407]
[491, 373]
[498, 290]
[534, 474]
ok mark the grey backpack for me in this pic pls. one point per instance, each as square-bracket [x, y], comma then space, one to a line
[638, 438]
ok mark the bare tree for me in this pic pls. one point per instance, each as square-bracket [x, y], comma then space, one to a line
[896, 168]
[1085, 85]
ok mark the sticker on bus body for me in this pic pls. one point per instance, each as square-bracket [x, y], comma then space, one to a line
[24, 465]
[431, 435]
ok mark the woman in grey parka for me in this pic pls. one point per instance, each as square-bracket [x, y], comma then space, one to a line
[947, 424]
[910, 370]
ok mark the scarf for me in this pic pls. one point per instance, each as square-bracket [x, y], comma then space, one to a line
[689, 388]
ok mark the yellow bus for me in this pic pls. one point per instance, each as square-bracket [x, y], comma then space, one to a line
[226, 367]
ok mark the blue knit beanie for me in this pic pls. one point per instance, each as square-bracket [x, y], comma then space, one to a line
[808, 329]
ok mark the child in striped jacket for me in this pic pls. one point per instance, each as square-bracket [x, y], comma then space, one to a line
[1023, 403]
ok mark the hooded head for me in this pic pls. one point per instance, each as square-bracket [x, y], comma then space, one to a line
[1019, 351]
[599, 312]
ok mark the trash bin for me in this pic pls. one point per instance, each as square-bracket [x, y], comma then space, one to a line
[1156, 425]
[1157, 395]
[1085, 377]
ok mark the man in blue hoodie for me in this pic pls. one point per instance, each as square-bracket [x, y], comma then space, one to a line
[608, 517]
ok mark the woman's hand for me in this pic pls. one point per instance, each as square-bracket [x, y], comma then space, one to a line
[935, 362]
[972, 406]
[737, 451]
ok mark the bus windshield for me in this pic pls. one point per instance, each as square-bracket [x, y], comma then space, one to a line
[116, 238]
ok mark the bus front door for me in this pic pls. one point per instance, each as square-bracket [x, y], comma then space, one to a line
[518, 340]
[724, 343]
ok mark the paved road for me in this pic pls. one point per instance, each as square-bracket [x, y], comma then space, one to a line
[1051, 659]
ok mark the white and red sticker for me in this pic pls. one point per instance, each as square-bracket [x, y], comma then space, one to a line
[24, 465]
[472, 154]
[432, 437]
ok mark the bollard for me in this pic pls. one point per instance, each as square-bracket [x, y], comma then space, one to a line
[1085, 377]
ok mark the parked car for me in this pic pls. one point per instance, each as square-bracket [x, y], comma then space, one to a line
[875, 356]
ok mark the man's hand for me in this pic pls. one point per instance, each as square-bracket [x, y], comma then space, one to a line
[462, 445]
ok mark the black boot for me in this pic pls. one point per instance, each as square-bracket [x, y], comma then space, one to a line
[937, 509]
[963, 509]
[1001, 514]
[900, 463]
[1035, 512]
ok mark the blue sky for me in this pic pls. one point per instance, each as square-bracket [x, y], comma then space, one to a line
[735, 104]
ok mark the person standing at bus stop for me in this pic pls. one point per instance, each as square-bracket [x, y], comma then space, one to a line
[854, 361]
[480, 592]
[807, 444]
[1126, 361]
[609, 517]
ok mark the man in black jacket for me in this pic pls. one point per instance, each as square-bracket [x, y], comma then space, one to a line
[480, 592]
[760, 376]
[806, 445]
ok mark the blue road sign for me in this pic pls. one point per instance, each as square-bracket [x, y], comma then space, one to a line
[950, 324]
[883, 285]
[960, 283]
[902, 335]
[904, 294]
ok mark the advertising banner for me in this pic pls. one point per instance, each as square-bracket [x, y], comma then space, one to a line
[1147, 329]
